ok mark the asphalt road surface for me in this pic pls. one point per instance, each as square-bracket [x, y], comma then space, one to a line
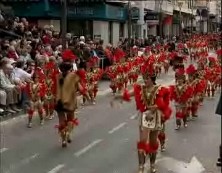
[105, 141]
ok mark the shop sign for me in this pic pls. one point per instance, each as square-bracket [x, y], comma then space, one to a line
[152, 22]
[151, 16]
[135, 13]
[97, 37]
[81, 11]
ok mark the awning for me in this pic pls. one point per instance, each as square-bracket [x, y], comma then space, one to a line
[20, 0]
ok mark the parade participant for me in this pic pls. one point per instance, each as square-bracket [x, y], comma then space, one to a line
[180, 93]
[51, 71]
[152, 101]
[117, 72]
[166, 60]
[199, 86]
[97, 75]
[177, 60]
[133, 72]
[201, 65]
[211, 76]
[36, 91]
[93, 75]
[67, 86]
[112, 73]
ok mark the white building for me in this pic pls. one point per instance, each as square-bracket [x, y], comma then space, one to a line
[208, 15]
[161, 17]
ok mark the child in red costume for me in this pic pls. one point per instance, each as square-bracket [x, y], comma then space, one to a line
[36, 91]
[181, 93]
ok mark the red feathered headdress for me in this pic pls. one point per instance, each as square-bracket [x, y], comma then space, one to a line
[219, 52]
[180, 46]
[68, 55]
[180, 73]
[191, 69]
[147, 69]
[118, 54]
[212, 59]
[148, 49]
[49, 66]
[93, 61]
[82, 74]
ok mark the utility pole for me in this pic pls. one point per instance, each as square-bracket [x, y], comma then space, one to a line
[129, 26]
[64, 23]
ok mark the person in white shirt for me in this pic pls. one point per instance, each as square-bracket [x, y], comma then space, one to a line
[6, 85]
[22, 74]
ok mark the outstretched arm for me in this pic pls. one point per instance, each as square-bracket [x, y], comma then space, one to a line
[83, 91]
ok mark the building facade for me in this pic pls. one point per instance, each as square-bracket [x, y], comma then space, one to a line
[91, 19]
[208, 15]
[164, 17]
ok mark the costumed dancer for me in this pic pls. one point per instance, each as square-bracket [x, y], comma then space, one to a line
[93, 75]
[165, 59]
[51, 72]
[177, 60]
[198, 87]
[152, 101]
[67, 86]
[36, 91]
[112, 73]
[133, 71]
[97, 75]
[201, 72]
[181, 93]
[158, 63]
[212, 75]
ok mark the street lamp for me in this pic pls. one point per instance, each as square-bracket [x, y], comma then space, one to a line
[64, 23]
[180, 4]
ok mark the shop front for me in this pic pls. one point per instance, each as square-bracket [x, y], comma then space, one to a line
[88, 19]
[152, 20]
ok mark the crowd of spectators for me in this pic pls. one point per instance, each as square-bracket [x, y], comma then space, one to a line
[23, 45]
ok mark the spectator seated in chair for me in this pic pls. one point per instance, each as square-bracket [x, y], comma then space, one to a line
[11, 89]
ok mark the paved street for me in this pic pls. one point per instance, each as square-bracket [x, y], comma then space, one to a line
[105, 141]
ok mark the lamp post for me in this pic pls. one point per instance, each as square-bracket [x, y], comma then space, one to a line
[180, 4]
[64, 23]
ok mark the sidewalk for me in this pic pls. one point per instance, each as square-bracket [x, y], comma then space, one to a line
[103, 90]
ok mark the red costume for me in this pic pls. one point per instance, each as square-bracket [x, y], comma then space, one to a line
[181, 93]
[199, 87]
[51, 72]
[36, 91]
[152, 101]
